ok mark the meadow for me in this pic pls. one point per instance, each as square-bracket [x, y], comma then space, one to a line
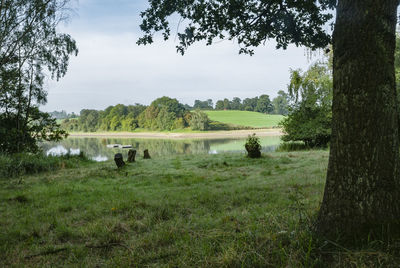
[221, 210]
[245, 118]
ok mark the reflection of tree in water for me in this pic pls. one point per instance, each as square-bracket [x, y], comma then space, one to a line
[94, 147]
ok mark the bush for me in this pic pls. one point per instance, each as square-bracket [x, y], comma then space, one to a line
[199, 121]
[253, 146]
[311, 125]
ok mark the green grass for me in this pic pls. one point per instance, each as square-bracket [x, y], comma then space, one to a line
[23, 164]
[182, 211]
[244, 118]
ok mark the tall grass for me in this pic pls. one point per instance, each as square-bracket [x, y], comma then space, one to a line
[27, 164]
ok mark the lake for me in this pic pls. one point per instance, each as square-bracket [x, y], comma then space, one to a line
[96, 148]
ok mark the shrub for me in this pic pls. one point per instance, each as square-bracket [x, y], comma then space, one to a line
[199, 121]
[253, 146]
[309, 125]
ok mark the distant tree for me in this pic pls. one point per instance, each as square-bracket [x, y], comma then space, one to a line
[227, 104]
[187, 107]
[250, 104]
[210, 104]
[59, 114]
[89, 120]
[203, 105]
[172, 105]
[199, 120]
[129, 123]
[219, 105]
[147, 119]
[163, 114]
[281, 103]
[264, 105]
[236, 103]
[197, 104]
[165, 119]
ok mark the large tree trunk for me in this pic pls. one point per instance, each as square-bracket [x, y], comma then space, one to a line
[362, 193]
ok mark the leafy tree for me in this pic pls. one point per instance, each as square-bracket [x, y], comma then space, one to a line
[30, 46]
[264, 105]
[179, 123]
[250, 104]
[219, 105]
[129, 123]
[310, 117]
[281, 103]
[203, 105]
[89, 120]
[162, 114]
[172, 105]
[227, 104]
[165, 119]
[363, 188]
[236, 103]
[199, 121]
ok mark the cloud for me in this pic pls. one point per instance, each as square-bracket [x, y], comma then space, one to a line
[112, 69]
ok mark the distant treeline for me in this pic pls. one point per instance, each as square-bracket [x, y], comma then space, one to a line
[163, 114]
[261, 104]
[62, 115]
[166, 114]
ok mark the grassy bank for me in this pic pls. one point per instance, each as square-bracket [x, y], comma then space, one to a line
[27, 164]
[245, 118]
[185, 211]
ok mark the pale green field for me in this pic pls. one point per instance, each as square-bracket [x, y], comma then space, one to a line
[245, 118]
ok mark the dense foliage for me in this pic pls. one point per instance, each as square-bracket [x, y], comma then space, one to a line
[253, 146]
[30, 48]
[310, 116]
[199, 120]
[114, 118]
[166, 114]
[250, 23]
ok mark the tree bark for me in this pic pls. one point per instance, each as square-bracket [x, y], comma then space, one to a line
[362, 193]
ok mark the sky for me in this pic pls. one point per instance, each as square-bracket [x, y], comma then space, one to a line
[111, 69]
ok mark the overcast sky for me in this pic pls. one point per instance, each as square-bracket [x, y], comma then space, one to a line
[112, 69]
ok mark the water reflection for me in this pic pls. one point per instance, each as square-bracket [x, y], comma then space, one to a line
[96, 148]
[61, 150]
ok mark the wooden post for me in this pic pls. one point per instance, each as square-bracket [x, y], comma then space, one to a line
[131, 156]
[146, 154]
[119, 160]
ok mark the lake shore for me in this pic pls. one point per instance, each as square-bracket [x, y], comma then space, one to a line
[183, 135]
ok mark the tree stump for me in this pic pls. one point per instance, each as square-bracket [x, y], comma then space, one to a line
[119, 160]
[146, 154]
[131, 156]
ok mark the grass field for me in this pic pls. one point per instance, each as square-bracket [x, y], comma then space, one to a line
[184, 211]
[245, 118]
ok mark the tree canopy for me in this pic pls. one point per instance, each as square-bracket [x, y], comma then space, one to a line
[249, 22]
[30, 47]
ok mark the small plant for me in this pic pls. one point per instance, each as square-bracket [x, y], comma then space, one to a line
[253, 146]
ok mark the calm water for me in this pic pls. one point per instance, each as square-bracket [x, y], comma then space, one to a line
[96, 148]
